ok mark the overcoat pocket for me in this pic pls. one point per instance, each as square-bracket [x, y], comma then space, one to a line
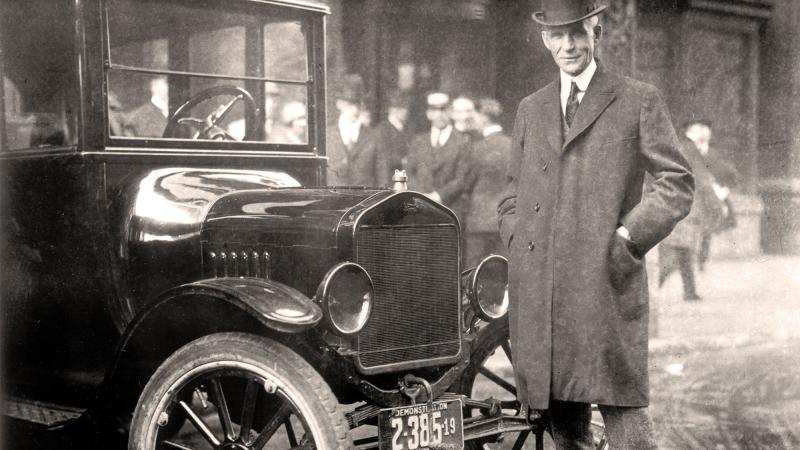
[621, 261]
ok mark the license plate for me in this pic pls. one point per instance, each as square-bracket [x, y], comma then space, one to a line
[416, 427]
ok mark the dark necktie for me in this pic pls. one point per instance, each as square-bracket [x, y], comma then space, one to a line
[572, 104]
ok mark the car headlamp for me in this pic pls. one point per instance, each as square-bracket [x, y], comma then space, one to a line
[488, 288]
[346, 294]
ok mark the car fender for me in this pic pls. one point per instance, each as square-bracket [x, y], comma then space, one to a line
[275, 305]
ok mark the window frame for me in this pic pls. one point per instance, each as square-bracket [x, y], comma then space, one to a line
[312, 18]
[71, 95]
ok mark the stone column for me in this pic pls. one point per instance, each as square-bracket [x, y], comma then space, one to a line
[779, 130]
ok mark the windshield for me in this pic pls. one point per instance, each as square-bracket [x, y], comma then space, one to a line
[182, 70]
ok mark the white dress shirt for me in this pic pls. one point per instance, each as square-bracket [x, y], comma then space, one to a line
[349, 130]
[582, 80]
[492, 129]
[439, 137]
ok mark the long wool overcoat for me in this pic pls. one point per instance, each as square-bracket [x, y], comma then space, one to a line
[579, 306]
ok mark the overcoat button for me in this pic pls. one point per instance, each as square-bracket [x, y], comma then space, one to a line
[531, 245]
[536, 207]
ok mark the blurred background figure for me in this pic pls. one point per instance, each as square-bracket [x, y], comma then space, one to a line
[724, 178]
[486, 181]
[291, 129]
[352, 155]
[438, 158]
[272, 96]
[150, 119]
[679, 250]
[464, 117]
[391, 135]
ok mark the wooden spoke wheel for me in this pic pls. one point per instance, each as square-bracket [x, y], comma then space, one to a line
[233, 391]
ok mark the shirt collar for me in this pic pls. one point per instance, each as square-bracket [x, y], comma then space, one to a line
[160, 104]
[491, 129]
[396, 123]
[347, 126]
[441, 135]
[582, 80]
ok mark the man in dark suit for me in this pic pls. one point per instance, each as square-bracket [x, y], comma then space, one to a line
[391, 136]
[489, 160]
[437, 163]
[352, 155]
[578, 223]
[150, 119]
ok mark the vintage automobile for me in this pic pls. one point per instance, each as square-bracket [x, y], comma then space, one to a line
[175, 270]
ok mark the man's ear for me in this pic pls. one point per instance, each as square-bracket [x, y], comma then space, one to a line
[545, 40]
[598, 32]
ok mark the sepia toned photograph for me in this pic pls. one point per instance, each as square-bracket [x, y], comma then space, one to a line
[399, 224]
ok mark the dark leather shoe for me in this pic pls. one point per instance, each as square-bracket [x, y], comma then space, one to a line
[692, 298]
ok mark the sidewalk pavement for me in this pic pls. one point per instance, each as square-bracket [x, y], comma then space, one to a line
[744, 301]
[725, 371]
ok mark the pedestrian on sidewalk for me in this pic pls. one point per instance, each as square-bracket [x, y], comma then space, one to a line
[680, 249]
[578, 224]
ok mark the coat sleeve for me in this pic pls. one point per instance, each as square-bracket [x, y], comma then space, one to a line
[669, 198]
[507, 206]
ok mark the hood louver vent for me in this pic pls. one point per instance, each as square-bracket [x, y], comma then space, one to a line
[237, 262]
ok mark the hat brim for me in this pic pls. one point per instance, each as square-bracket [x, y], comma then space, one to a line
[538, 17]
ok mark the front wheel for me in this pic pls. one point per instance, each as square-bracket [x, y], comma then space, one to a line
[237, 391]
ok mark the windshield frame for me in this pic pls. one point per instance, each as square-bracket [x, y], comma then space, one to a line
[311, 16]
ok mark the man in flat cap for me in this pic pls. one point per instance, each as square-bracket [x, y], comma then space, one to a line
[578, 223]
[437, 162]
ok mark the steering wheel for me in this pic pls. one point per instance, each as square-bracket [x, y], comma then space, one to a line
[208, 128]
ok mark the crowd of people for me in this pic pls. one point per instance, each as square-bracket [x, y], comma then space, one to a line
[459, 161]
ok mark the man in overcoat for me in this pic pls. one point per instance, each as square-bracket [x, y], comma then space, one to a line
[486, 177]
[353, 158]
[438, 157]
[578, 223]
[392, 137]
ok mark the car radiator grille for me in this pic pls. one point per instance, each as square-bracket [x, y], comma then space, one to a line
[415, 317]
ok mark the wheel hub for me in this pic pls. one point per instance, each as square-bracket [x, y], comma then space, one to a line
[234, 446]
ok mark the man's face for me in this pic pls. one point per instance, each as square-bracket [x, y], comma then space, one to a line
[160, 88]
[439, 117]
[399, 113]
[348, 109]
[572, 46]
[701, 135]
[463, 114]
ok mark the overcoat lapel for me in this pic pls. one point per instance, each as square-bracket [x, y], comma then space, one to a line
[552, 115]
[599, 95]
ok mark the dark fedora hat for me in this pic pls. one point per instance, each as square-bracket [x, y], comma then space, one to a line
[352, 89]
[564, 12]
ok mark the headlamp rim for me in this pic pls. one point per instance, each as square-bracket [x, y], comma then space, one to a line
[473, 291]
[323, 296]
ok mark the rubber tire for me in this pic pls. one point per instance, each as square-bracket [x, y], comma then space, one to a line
[325, 420]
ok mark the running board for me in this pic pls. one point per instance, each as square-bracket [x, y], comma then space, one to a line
[46, 414]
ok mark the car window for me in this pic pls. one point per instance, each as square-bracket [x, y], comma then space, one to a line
[39, 81]
[192, 72]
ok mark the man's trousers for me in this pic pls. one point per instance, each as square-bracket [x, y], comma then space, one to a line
[626, 428]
